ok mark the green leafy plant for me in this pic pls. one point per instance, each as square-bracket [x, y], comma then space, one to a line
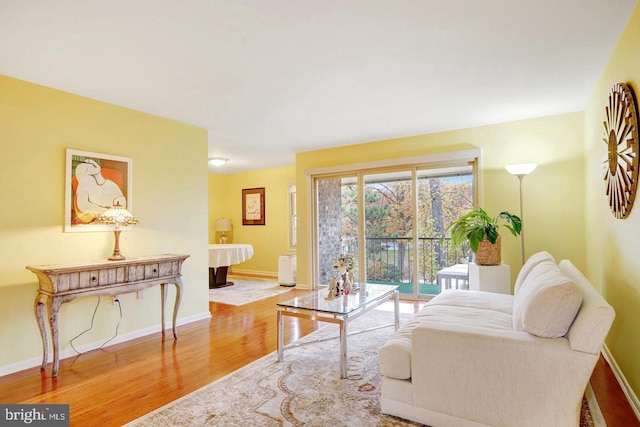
[474, 225]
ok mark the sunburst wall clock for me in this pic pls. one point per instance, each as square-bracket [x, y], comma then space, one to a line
[621, 137]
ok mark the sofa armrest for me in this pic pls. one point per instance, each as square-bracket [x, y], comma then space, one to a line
[497, 375]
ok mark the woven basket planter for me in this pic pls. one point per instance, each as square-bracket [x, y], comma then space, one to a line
[489, 253]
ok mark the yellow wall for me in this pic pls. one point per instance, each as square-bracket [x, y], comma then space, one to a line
[269, 241]
[37, 125]
[613, 245]
[554, 214]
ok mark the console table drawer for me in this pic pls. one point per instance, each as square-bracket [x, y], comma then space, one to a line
[169, 268]
[136, 272]
[151, 271]
[87, 279]
[65, 282]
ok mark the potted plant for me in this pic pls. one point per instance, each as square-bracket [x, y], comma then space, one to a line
[481, 231]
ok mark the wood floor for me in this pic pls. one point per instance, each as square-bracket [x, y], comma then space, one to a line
[113, 386]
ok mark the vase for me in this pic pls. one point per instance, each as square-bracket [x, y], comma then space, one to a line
[346, 284]
[354, 284]
[489, 253]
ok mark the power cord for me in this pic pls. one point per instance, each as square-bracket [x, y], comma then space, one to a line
[93, 316]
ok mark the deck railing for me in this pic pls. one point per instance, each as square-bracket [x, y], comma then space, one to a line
[390, 259]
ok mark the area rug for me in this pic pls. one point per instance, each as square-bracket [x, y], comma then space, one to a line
[305, 389]
[246, 290]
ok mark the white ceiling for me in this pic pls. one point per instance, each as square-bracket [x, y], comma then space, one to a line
[269, 78]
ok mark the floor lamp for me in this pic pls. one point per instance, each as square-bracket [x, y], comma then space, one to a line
[521, 170]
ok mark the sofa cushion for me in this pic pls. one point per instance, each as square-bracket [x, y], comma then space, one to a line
[547, 302]
[474, 299]
[533, 260]
[595, 317]
[395, 354]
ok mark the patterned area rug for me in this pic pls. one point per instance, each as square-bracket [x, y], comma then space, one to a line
[246, 290]
[305, 389]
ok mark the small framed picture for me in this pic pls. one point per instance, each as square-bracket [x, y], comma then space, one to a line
[253, 206]
[94, 183]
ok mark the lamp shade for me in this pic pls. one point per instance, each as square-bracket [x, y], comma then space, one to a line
[223, 224]
[521, 168]
[117, 215]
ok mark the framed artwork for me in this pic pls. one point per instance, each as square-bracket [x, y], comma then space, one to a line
[253, 206]
[93, 183]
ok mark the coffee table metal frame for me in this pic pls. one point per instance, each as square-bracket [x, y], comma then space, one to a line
[340, 310]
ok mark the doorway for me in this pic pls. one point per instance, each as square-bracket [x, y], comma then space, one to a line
[392, 221]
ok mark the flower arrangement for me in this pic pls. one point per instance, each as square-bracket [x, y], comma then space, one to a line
[344, 264]
[344, 284]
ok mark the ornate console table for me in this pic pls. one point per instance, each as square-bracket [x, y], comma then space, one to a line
[66, 282]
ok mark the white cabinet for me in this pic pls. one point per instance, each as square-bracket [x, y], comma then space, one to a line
[490, 278]
[287, 270]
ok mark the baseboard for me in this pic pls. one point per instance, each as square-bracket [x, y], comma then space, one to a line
[265, 275]
[624, 384]
[254, 273]
[69, 352]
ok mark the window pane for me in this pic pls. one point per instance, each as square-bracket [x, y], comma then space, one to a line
[443, 195]
[389, 227]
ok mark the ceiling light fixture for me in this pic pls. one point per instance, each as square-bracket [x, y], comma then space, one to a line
[217, 161]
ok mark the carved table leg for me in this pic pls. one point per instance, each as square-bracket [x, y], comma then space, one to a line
[163, 302]
[54, 309]
[40, 310]
[163, 291]
[176, 306]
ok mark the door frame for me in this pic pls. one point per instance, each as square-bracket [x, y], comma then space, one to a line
[428, 160]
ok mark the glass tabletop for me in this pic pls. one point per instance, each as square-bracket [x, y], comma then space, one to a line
[342, 304]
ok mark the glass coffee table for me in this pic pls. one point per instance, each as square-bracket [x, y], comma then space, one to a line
[339, 310]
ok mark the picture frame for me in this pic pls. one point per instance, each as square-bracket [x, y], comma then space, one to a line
[253, 206]
[94, 182]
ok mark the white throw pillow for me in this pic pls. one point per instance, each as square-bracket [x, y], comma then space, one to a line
[533, 260]
[547, 303]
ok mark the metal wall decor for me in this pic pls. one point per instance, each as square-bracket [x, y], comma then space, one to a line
[621, 137]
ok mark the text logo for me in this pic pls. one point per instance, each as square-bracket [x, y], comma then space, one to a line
[34, 415]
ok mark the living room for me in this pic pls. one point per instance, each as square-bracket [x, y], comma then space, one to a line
[177, 200]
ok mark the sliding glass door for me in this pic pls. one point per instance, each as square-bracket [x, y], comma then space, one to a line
[393, 222]
[443, 195]
[388, 228]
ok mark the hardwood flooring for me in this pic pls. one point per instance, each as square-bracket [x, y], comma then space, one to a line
[118, 384]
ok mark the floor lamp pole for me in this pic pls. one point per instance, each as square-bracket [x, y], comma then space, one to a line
[521, 170]
[520, 177]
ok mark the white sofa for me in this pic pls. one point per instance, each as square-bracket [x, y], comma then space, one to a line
[472, 358]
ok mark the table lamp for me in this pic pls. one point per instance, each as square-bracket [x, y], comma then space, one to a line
[121, 217]
[223, 225]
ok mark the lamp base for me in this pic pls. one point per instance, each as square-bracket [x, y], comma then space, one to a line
[116, 250]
